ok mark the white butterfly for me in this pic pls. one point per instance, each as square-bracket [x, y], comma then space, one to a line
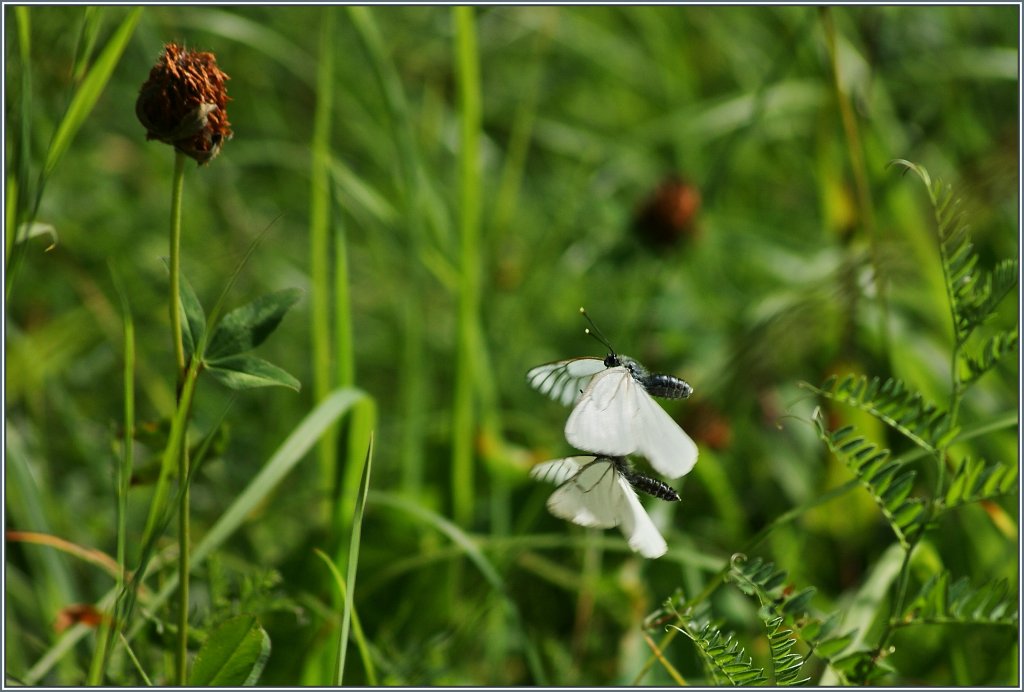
[614, 413]
[599, 492]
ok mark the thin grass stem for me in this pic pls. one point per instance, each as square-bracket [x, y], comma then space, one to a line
[319, 255]
[463, 421]
[413, 189]
[112, 625]
[855, 151]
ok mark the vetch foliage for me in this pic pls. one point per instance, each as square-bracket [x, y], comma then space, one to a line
[723, 656]
[894, 404]
[974, 481]
[888, 481]
[787, 618]
[941, 601]
[973, 293]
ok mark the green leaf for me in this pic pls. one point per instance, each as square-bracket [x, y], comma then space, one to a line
[250, 372]
[895, 405]
[89, 93]
[234, 654]
[245, 328]
[973, 481]
[830, 647]
[997, 347]
[889, 482]
[942, 602]
[353, 562]
[725, 657]
[37, 230]
[193, 324]
[973, 293]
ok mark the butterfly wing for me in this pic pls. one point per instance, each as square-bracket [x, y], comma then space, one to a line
[590, 498]
[558, 471]
[593, 493]
[616, 416]
[670, 451]
[636, 525]
[564, 380]
[603, 420]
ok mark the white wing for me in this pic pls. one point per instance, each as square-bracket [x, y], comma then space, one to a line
[604, 419]
[616, 416]
[558, 471]
[564, 380]
[597, 495]
[590, 498]
[669, 450]
[637, 527]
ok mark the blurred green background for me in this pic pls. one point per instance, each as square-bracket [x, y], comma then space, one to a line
[768, 278]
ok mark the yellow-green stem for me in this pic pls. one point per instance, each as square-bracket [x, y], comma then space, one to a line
[464, 421]
[319, 258]
[179, 359]
[175, 262]
[183, 567]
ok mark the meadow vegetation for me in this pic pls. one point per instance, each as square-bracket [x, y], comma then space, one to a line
[809, 214]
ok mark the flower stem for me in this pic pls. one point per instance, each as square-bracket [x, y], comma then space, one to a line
[176, 187]
[179, 358]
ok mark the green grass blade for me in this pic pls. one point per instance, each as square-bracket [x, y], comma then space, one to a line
[471, 550]
[357, 628]
[112, 625]
[414, 189]
[91, 23]
[284, 459]
[319, 251]
[89, 93]
[463, 419]
[353, 562]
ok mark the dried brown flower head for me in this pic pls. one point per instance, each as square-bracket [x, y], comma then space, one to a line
[184, 103]
[668, 215]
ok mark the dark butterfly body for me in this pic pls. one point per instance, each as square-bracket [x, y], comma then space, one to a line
[651, 486]
[664, 386]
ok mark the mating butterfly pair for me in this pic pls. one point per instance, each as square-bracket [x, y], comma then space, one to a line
[614, 415]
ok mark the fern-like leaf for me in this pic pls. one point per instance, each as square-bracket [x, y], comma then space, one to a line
[758, 578]
[889, 482]
[973, 294]
[895, 405]
[724, 657]
[943, 601]
[988, 291]
[785, 663]
[994, 350]
[778, 604]
[974, 481]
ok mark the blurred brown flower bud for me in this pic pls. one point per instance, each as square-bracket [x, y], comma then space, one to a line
[667, 216]
[184, 103]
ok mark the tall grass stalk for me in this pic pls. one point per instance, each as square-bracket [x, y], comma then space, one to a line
[18, 175]
[319, 255]
[855, 151]
[112, 625]
[463, 422]
[414, 369]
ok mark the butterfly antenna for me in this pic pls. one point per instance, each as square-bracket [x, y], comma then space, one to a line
[595, 332]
